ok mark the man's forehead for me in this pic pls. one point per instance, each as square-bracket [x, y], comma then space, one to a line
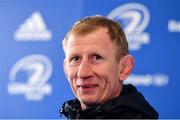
[86, 49]
[98, 36]
[97, 40]
[90, 49]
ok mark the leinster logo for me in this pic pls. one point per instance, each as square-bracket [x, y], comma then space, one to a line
[29, 77]
[134, 19]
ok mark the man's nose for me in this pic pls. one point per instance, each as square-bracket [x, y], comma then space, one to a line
[84, 70]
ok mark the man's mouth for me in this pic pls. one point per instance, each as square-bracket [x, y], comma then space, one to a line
[87, 86]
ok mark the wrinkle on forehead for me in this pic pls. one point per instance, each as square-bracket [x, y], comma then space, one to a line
[99, 36]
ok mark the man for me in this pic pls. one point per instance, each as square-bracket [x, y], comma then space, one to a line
[96, 63]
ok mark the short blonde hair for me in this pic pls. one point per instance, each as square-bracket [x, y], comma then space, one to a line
[90, 24]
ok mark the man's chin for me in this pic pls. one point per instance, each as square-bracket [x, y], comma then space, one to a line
[88, 102]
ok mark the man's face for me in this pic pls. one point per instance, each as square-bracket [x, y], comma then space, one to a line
[91, 67]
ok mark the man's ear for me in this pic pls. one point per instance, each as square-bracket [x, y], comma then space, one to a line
[126, 67]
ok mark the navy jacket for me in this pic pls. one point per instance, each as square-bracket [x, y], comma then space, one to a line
[129, 104]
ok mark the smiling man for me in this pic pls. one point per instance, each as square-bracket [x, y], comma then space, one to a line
[96, 63]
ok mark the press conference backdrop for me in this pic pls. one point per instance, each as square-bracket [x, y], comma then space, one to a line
[32, 81]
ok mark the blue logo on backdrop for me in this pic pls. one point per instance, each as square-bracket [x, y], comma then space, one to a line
[134, 18]
[38, 69]
[157, 80]
[174, 25]
[33, 29]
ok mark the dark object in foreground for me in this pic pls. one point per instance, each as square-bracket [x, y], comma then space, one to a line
[130, 104]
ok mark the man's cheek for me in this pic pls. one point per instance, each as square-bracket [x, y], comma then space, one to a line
[72, 72]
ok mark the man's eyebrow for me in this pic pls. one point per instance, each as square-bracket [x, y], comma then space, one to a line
[72, 54]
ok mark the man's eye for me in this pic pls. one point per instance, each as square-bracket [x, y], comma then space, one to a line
[74, 59]
[97, 57]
